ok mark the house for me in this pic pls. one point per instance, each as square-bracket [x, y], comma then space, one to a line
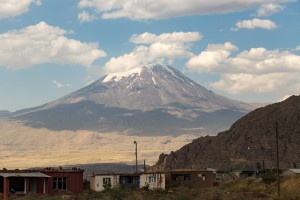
[189, 177]
[64, 180]
[221, 175]
[46, 181]
[100, 182]
[155, 180]
[129, 180]
[291, 172]
[246, 171]
[20, 183]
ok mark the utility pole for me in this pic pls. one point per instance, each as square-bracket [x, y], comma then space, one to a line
[136, 164]
[254, 161]
[277, 151]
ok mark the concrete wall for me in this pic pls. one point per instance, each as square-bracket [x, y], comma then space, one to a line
[96, 182]
[289, 173]
[155, 181]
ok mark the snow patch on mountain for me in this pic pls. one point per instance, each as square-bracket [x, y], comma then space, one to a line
[119, 76]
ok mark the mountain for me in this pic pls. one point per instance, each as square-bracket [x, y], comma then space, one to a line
[148, 100]
[249, 141]
[4, 113]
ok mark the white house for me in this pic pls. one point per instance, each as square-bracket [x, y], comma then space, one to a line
[291, 172]
[153, 180]
[99, 182]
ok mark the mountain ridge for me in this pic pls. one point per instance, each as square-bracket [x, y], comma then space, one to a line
[252, 139]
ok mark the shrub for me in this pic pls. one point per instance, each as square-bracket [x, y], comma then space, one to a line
[107, 185]
[116, 193]
[146, 187]
[269, 177]
[182, 197]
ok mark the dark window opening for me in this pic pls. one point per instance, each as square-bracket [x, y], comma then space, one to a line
[181, 177]
[1, 184]
[16, 184]
[129, 179]
[59, 183]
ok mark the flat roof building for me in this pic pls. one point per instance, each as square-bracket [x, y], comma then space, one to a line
[49, 181]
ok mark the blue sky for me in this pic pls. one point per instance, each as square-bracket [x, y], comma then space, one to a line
[242, 49]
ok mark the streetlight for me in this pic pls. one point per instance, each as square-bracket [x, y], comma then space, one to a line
[136, 164]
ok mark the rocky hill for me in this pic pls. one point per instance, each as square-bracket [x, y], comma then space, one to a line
[148, 100]
[250, 140]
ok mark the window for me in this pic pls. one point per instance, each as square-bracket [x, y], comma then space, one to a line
[16, 184]
[202, 176]
[106, 181]
[60, 183]
[152, 179]
[181, 177]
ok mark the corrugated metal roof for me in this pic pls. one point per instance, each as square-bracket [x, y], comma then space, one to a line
[296, 171]
[28, 174]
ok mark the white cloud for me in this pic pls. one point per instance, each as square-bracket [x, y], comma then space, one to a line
[60, 85]
[212, 58]
[85, 17]
[89, 80]
[278, 85]
[253, 61]
[255, 23]
[269, 9]
[286, 96]
[153, 9]
[154, 48]
[257, 70]
[11, 8]
[243, 83]
[176, 37]
[42, 43]
[261, 60]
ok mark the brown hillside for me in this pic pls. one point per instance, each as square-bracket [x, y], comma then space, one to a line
[251, 139]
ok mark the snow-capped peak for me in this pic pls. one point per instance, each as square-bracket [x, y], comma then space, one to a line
[137, 71]
[120, 75]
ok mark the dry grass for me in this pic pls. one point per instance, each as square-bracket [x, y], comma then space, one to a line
[290, 188]
[248, 189]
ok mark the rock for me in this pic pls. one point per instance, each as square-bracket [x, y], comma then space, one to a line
[250, 140]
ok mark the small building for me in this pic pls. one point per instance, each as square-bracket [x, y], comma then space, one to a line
[100, 182]
[291, 172]
[189, 177]
[221, 175]
[155, 180]
[20, 183]
[64, 180]
[246, 171]
[130, 180]
[45, 181]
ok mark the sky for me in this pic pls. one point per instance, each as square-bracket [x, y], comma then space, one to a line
[247, 50]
